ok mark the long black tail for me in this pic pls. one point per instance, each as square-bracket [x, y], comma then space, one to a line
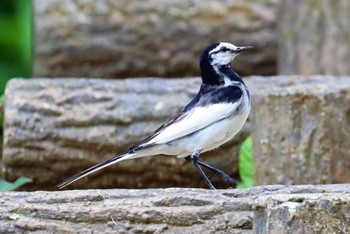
[93, 169]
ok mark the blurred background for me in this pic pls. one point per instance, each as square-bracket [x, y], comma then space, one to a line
[16, 45]
[15, 42]
[16, 28]
[77, 39]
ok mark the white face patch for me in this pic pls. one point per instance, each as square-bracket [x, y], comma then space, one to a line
[223, 54]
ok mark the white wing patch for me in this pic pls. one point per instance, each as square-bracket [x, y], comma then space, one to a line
[197, 119]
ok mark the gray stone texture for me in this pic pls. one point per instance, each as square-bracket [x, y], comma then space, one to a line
[314, 37]
[303, 213]
[55, 128]
[277, 208]
[110, 39]
[301, 130]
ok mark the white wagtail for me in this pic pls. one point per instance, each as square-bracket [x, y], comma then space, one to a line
[213, 117]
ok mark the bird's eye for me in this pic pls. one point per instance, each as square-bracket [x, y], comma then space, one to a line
[224, 49]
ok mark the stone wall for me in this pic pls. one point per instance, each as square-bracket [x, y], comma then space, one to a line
[113, 39]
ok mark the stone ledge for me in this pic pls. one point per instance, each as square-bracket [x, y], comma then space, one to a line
[178, 210]
[303, 213]
[57, 127]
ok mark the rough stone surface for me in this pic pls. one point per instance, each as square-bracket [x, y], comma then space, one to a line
[301, 130]
[314, 37]
[55, 128]
[106, 38]
[174, 210]
[303, 213]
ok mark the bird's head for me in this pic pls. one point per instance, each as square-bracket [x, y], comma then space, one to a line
[220, 54]
[215, 56]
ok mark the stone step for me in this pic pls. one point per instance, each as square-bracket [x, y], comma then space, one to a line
[55, 128]
[301, 130]
[265, 209]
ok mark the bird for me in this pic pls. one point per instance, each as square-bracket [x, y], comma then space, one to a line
[214, 116]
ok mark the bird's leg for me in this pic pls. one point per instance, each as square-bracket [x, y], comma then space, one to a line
[216, 170]
[188, 159]
[194, 160]
[221, 172]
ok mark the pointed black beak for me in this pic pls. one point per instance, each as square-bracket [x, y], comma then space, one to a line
[243, 48]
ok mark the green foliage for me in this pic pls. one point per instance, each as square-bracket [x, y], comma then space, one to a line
[15, 40]
[7, 186]
[15, 56]
[246, 164]
[1, 111]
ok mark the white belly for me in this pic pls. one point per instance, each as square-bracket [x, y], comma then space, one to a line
[208, 138]
[205, 139]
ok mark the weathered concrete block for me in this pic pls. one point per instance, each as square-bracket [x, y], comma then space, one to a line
[57, 127]
[106, 38]
[303, 213]
[127, 211]
[176, 210]
[314, 37]
[301, 130]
